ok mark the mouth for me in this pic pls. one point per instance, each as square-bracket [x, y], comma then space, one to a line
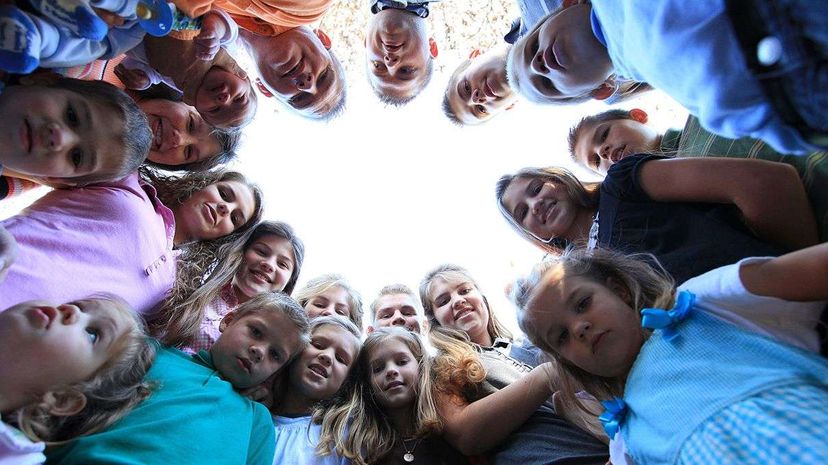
[487, 89]
[392, 47]
[394, 384]
[318, 369]
[260, 276]
[157, 133]
[550, 57]
[617, 154]
[462, 313]
[245, 364]
[209, 214]
[597, 340]
[548, 215]
[26, 136]
[43, 316]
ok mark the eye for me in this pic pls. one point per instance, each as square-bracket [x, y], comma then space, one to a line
[77, 157]
[376, 64]
[191, 125]
[341, 311]
[93, 334]
[441, 301]
[583, 304]
[255, 332]
[274, 354]
[605, 133]
[407, 70]
[341, 359]
[481, 109]
[467, 88]
[465, 290]
[377, 368]
[535, 188]
[564, 336]
[402, 362]
[594, 161]
[318, 345]
[224, 195]
[188, 153]
[237, 220]
[72, 116]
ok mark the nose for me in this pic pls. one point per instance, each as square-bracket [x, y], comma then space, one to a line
[223, 97]
[325, 358]
[456, 300]
[57, 138]
[391, 372]
[538, 65]
[256, 353]
[605, 152]
[391, 59]
[398, 320]
[328, 311]
[69, 314]
[305, 81]
[581, 328]
[222, 208]
[478, 96]
[268, 264]
[535, 205]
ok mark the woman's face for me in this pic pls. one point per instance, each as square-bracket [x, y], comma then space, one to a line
[543, 208]
[267, 265]
[460, 305]
[179, 134]
[215, 211]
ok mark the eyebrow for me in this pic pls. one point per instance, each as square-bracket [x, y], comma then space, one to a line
[91, 160]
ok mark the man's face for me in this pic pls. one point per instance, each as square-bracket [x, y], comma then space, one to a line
[480, 90]
[397, 53]
[397, 310]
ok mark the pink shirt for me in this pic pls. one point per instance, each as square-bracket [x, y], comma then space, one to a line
[209, 332]
[114, 237]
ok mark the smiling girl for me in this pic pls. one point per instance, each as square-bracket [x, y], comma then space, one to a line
[331, 295]
[266, 259]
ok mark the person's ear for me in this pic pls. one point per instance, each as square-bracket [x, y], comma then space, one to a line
[474, 53]
[260, 85]
[619, 289]
[432, 47]
[324, 38]
[604, 91]
[639, 115]
[228, 320]
[63, 403]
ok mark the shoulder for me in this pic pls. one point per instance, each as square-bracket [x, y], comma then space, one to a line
[623, 177]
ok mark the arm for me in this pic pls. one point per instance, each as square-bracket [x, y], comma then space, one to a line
[477, 427]
[217, 29]
[797, 276]
[770, 195]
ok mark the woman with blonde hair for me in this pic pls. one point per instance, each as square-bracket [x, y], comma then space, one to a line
[331, 295]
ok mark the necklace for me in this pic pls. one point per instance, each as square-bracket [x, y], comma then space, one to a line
[593, 233]
[409, 454]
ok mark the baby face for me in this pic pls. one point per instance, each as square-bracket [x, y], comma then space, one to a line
[45, 346]
[180, 135]
[397, 53]
[324, 364]
[215, 211]
[601, 145]
[254, 346]
[224, 99]
[560, 58]
[480, 91]
[395, 374]
[55, 133]
[590, 324]
[332, 302]
[267, 265]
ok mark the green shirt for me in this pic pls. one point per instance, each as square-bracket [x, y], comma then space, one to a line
[191, 417]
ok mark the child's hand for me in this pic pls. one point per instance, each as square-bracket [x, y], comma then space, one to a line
[110, 18]
[208, 40]
[132, 78]
[8, 252]
[260, 393]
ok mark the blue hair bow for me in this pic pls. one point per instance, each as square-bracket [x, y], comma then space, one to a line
[613, 416]
[656, 318]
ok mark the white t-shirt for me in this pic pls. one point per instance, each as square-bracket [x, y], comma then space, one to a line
[16, 449]
[720, 293]
[296, 440]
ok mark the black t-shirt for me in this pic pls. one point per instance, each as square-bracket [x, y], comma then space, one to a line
[688, 239]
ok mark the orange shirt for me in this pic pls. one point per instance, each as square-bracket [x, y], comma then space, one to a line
[263, 17]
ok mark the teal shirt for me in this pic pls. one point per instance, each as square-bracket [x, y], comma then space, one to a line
[192, 416]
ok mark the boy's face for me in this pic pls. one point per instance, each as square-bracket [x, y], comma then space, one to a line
[332, 302]
[179, 133]
[297, 69]
[397, 52]
[322, 367]
[56, 133]
[254, 346]
[481, 91]
[601, 145]
[215, 211]
[46, 346]
[397, 310]
[561, 58]
[225, 99]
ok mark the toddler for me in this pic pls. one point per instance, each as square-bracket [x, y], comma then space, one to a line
[67, 132]
[739, 84]
[331, 295]
[399, 54]
[67, 371]
[743, 375]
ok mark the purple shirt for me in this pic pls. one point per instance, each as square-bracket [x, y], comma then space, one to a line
[114, 237]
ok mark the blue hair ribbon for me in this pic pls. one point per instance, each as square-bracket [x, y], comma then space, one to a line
[656, 318]
[613, 416]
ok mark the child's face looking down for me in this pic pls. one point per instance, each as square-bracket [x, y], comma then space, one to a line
[459, 305]
[267, 265]
[297, 69]
[590, 324]
[56, 133]
[601, 145]
[561, 58]
[225, 99]
[397, 310]
[215, 211]
[179, 133]
[543, 208]
[397, 52]
[44, 347]
[332, 302]
[254, 346]
[322, 367]
[481, 91]
[395, 374]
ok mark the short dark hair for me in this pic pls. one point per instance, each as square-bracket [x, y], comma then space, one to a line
[401, 101]
[136, 136]
[609, 115]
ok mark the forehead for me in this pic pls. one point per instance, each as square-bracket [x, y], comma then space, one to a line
[339, 338]
[551, 291]
[441, 284]
[396, 300]
[515, 191]
[387, 348]
[282, 327]
[278, 243]
[335, 293]
[244, 196]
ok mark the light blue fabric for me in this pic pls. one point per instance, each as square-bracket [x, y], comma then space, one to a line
[296, 440]
[689, 50]
[675, 387]
[532, 11]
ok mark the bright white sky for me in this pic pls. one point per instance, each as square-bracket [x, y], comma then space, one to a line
[382, 195]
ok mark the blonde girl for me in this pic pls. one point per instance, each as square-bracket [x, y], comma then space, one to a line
[490, 392]
[389, 415]
[329, 295]
[743, 377]
[267, 258]
[693, 214]
[67, 371]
